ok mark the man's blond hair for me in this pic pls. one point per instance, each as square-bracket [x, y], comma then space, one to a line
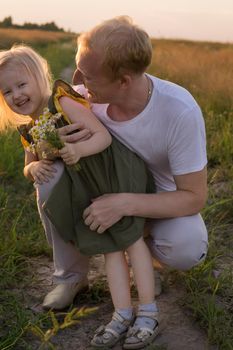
[122, 46]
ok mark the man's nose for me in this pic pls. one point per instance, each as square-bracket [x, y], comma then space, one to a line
[77, 77]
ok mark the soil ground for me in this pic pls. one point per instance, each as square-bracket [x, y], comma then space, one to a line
[177, 332]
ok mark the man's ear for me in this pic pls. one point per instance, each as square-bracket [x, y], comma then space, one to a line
[125, 81]
[77, 77]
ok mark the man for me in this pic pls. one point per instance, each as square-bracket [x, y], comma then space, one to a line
[162, 123]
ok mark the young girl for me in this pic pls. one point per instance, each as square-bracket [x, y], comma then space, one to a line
[105, 166]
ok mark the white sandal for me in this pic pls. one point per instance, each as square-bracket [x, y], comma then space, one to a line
[105, 336]
[139, 337]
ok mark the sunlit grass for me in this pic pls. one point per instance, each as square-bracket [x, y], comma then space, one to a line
[10, 36]
[205, 69]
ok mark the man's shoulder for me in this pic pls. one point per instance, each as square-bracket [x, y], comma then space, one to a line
[173, 94]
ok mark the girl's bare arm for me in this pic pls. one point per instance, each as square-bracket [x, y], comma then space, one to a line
[38, 170]
[29, 157]
[100, 137]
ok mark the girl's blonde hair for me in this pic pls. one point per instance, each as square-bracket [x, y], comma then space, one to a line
[123, 46]
[36, 66]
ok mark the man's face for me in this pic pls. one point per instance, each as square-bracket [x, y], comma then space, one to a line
[90, 73]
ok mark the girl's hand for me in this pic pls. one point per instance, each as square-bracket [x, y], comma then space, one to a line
[70, 153]
[42, 171]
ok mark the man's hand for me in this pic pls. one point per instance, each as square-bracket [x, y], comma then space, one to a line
[105, 211]
[81, 133]
[42, 170]
[188, 199]
[70, 153]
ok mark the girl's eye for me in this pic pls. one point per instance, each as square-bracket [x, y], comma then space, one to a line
[22, 84]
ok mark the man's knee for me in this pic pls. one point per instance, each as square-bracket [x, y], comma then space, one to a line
[178, 256]
[179, 243]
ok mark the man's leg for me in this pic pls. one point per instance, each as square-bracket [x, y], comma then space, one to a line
[180, 243]
[70, 267]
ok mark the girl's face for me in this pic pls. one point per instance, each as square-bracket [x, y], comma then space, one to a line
[20, 91]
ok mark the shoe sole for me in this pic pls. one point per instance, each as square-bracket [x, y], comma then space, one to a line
[107, 346]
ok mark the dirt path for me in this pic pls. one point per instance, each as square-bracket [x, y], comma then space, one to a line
[178, 331]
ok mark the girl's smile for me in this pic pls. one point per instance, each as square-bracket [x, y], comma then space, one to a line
[20, 91]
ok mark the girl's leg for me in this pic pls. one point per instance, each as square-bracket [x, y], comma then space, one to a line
[142, 266]
[145, 327]
[119, 283]
[118, 279]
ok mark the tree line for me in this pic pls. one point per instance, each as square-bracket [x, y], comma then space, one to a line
[51, 26]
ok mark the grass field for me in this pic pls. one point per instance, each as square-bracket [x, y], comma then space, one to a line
[10, 36]
[206, 69]
[51, 45]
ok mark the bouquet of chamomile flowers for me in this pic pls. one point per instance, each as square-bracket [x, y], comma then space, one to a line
[47, 142]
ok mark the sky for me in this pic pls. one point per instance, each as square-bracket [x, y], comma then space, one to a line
[210, 20]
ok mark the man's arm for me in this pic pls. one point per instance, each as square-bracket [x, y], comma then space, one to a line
[188, 199]
[79, 133]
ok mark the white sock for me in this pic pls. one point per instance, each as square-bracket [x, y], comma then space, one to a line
[117, 325]
[143, 321]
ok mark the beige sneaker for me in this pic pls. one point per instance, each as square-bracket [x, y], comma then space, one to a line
[63, 295]
[158, 283]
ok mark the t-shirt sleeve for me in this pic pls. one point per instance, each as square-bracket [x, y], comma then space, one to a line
[187, 143]
[81, 90]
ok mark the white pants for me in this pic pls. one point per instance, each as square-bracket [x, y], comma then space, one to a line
[180, 243]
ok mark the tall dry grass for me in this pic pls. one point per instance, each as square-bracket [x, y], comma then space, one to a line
[9, 36]
[205, 69]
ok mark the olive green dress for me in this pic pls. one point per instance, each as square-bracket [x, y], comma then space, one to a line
[114, 170]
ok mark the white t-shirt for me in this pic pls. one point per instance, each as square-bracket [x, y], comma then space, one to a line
[169, 134]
